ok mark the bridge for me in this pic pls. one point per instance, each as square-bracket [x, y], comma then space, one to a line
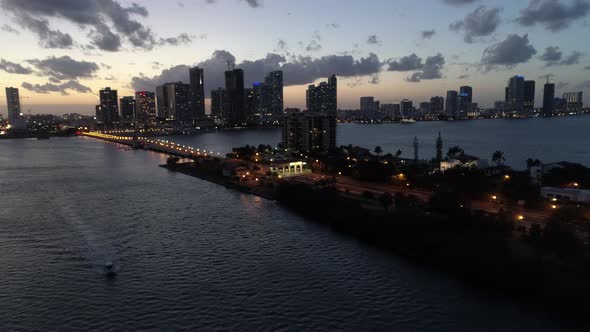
[156, 145]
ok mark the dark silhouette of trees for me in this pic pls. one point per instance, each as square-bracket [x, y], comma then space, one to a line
[530, 163]
[455, 152]
[498, 158]
[378, 151]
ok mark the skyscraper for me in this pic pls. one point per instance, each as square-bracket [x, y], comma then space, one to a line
[197, 83]
[309, 132]
[465, 101]
[217, 102]
[274, 80]
[324, 97]
[109, 107]
[179, 106]
[234, 108]
[437, 104]
[515, 95]
[452, 104]
[145, 107]
[407, 109]
[13, 104]
[548, 98]
[250, 104]
[162, 101]
[529, 97]
[127, 107]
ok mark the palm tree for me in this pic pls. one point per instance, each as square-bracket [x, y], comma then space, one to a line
[455, 152]
[530, 163]
[398, 153]
[378, 150]
[498, 158]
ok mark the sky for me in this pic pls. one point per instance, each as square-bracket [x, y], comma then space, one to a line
[60, 53]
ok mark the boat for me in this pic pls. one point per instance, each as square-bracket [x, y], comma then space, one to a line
[109, 270]
[407, 121]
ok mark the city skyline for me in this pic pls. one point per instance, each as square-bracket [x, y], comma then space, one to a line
[399, 52]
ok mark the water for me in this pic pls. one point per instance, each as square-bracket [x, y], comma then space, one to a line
[550, 140]
[194, 255]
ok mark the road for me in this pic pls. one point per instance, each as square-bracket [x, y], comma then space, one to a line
[526, 217]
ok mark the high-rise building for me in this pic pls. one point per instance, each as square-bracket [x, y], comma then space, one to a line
[217, 103]
[162, 101]
[274, 80]
[179, 105]
[145, 107]
[197, 83]
[323, 97]
[452, 104]
[407, 109]
[390, 111]
[127, 107]
[574, 101]
[465, 101]
[263, 99]
[515, 95]
[425, 108]
[234, 108]
[529, 97]
[548, 98]
[437, 104]
[250, 99]
[109, 107]
[305, 132]
[13, 104]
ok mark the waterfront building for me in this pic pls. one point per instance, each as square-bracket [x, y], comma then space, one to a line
[305, 132]
[145, 107]
[574, 102]
[515, 95]
[179, 106]
[407, 109]
[390, 111]
[323, 97]
[234, 108]
[217, 102]
[250, 99]
[452, 103]
[274, 80]
[465, 101]
[162, 101]
[548, 99]
[127, 107]
[197, 84]
[370, 108]
[437, 104]
[529, 98]
[13, 105]
[425, 108]
[108, 110]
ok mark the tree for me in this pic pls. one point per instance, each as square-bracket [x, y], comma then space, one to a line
[455, 152]
[398, 154]
[530, 163]
[378, 151]
[498, 158]
[386, 199]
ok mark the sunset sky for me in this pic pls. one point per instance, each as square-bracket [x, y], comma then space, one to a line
[59, 53]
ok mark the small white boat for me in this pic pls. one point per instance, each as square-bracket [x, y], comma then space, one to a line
[407, 121]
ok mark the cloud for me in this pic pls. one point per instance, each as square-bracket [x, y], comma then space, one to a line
[587, 68]
[554, 57]
[313, 46]
[64, 68]
[183, 38]
[459, 2]
[61, 88]
[106, 22]
[481, 22]
[427, 34]
[373, 40]
[463, 76]
[584, 85]
[251, 3]
[9, 29]
[297, 70]
[430, 70]
[508, 53]
[553, 14]
[406, 63]
[281, 45]
[14, 68]
[561, 85]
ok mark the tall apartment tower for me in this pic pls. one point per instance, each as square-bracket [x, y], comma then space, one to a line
[234, 108]
[145, 107]
[197, 83]
[452, 103]
[109, 107]
[323, 97]
[465, 101]
[548, 98]
[13, 104]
